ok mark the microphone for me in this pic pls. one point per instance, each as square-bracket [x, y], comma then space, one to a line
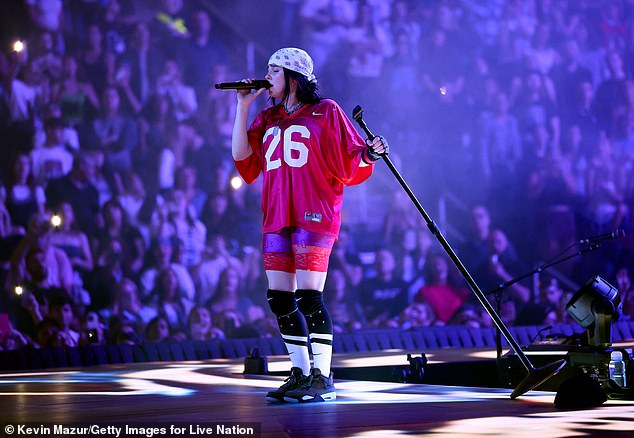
[616, 234]
[254, 85]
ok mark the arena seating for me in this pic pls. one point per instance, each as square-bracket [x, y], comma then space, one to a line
[416, 340]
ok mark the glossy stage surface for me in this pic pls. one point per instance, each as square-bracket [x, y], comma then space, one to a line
[195, 394]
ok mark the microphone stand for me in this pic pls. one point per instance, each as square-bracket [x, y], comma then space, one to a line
[499, 290]
[536, 376]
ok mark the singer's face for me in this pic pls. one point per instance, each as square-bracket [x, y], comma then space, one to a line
[275, 76]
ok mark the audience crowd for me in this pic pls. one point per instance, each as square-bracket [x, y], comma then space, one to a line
[122, 219]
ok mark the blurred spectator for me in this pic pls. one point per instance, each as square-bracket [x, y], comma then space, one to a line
[218, 217]
[202, 51]
[367, 40]
[157, 330]
[36, 260]
[324, 24]
[132, 199]
[170, 83]
[131, 103]
[160, 257]
[501, 266]
[612, 26]
[61, 311]
[385, 296]
[475, 250]
[468, 315]
[568, 78]
[52, 160]
[401, 78]
[204, 156]
[127, 305]
[606, 208]
[77, 98]
[96, 62]
[500, 149]
[344, 258]
[77, 189]
[92, 331]
[611, 99]
[182, 138]
[170, 301]
[117, 228]
[46, 55]
[404, 30]
[417, 314]
[98, 177]
[535, 105]
[108, 272]
[552, 196]
[343, 305]
[47, 334]
[70, 138]
[412, 256]
[113, 133]
[443, 290]
[215, 260]
[23, 197]
[216, 110]
[200, 326]
[70, 239]
[143, 61]
[541, 55]
[550, 309]
[182, 225]
[156, 123]
[185, 181]
[169, 25]
[230, 295]
[13, 339]
[399, 217]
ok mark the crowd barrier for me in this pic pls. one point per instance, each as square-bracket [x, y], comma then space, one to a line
[416, 341]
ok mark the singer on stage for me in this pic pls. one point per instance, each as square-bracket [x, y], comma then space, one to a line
[307, 150]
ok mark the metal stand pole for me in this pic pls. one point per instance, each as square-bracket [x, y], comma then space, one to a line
[535, 376]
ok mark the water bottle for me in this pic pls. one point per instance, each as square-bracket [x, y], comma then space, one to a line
[616, 368]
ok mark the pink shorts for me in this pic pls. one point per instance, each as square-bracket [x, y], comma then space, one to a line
[296, 249]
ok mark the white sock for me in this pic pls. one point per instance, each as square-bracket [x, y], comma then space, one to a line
[297, 347]
[321, 344]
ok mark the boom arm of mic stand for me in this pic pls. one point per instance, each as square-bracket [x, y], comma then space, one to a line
[541, 268]
[535, 376]
[500, 288]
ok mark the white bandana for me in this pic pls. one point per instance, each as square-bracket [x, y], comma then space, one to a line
[294, 59]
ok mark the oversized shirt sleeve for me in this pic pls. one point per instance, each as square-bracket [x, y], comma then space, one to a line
[345, 148]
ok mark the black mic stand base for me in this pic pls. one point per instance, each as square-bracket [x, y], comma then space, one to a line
[537, 376]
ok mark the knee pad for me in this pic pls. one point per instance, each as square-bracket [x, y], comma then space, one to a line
[284, 306]
[311, 304]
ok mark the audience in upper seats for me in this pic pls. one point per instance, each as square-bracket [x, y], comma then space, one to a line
[112, 121]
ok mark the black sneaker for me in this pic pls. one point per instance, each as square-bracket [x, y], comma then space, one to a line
[292, 382]
[316, 388]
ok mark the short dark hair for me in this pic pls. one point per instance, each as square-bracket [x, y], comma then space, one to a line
[307, 91]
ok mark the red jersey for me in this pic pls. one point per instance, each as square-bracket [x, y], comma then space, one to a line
[306, 159]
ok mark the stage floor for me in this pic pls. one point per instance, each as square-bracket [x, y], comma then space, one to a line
[197, 395]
